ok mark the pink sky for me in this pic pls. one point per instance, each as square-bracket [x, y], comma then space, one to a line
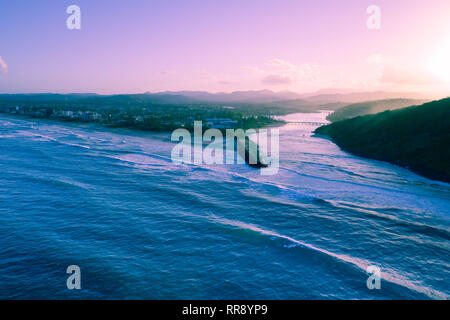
[303, 46]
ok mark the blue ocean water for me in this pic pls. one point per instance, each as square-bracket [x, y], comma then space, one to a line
[140, 226]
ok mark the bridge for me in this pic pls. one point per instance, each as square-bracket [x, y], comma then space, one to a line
[307, 123]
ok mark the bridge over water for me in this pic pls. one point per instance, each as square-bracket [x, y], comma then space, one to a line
[303, 123]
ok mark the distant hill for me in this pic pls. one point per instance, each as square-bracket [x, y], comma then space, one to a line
[279, 102]
[415, 137]
[158, 101]
[257, 96]
[96, 98]
[187, 97]
[265, 101]
[308, 106]
[371, 107]
[329, 95]
[266, 96]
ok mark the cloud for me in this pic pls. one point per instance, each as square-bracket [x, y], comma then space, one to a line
[168, 72]
[3, 66]
[275, 80]
[279, 72]
[225, 83]
[301, 72]
[376, 58]
[253, 69]
[281, 64]
[397, 75]
[390, 72]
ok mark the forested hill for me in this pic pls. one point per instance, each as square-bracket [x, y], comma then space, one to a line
[371, 107]
[415, 137]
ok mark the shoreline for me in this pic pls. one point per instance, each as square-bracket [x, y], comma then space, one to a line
[414, 138]
[423, 174]
[276, 124]
[252, 160]
[433, 176]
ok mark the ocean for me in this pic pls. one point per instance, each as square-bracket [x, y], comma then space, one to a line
[139, 226]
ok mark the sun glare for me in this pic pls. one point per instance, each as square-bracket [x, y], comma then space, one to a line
[439, 63]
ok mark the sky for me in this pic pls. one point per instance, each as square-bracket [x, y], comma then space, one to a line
[224, 45]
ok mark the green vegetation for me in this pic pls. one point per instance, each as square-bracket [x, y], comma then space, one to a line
[371, 107]
[152, 112]
[162, 111]
[417, 137]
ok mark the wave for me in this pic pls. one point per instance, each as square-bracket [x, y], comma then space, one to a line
[361, 265]
[415, 227]
[185, 189]
[364, 185]
[57, 181]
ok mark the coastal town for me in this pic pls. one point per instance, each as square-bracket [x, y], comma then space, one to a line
[140, 116]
